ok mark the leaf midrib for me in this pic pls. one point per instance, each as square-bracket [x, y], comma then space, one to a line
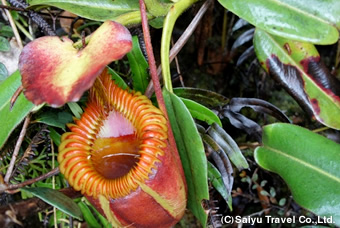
[4, 105]
[306, 164]
[294, 8]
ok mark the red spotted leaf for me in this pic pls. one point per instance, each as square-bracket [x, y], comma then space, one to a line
[55, 72]
[298, 68]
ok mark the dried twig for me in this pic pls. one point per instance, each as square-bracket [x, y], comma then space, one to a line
[12, 8]
[16, 149]
[53, 172]
[178, 68]
[12, 23]
[40, 13]
[26, 157]
[181, 42]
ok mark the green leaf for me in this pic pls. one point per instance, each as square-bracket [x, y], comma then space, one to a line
[216, 179]
[15, 15]
[202, 96]
[4, 44]
[6, 30]
[55, 119]
[200, 112]
[76, 110]
[282, 202]
[55, 136]
[105, 223]
[192, 154]
[157, 23]
[56, 199]
[308, 162]
[312, 21]
[101, 218]
[298, 68]
[157, 8]
[118, 80]
[88, 216]
[139, 67]
[99, 10]
[3, 72]
[9, 119]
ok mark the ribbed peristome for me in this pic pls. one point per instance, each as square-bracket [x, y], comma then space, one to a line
[76, 146]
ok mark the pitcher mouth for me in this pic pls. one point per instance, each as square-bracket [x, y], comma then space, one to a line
[114, 157]
[116, 143]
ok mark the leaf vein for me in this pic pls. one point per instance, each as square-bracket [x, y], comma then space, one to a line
[306, 164]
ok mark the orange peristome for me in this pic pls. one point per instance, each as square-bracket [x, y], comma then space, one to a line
[55, 72]
[118, 155]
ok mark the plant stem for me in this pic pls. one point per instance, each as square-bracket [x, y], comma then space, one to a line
[130, 18]
[157, 86]
[16, 149]
[15, 96]
[224, 29]
[151, 58]
[181, 41]
[321, 129]
[175, 11]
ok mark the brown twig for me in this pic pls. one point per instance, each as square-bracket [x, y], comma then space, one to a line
[16, 149]
[155, 80]
[244, 146]
[53, 172]
[41, 13]
[12, 8]
[36, 140]
[25, 10]
[181, 42]
[178, 68]
[15, 96]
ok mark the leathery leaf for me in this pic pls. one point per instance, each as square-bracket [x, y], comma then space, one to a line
[10, 118]
[192, 154]
[309, 163]
[299, 69]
